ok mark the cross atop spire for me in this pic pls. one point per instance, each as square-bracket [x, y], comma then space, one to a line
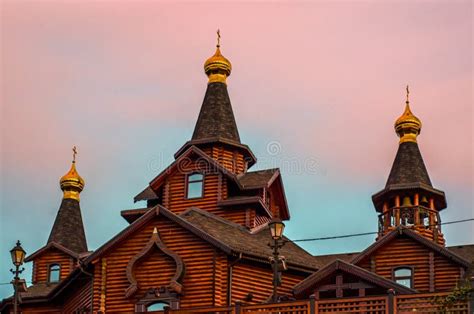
[408, 94]
[218, 38]
[74, 153]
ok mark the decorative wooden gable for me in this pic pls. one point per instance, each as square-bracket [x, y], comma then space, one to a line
[340, 279]
[52, 258]
[140, 263]
[155, 243]
[407, 257]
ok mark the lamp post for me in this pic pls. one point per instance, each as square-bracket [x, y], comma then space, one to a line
[276, 230]
[18, 257]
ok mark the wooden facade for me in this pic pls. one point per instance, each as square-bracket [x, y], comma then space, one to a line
[209, 252]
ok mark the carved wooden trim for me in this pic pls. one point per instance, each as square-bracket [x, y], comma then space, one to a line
[432, 272]
[103, 285]
[155, 240]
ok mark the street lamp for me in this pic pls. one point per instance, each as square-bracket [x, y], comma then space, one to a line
[18, 257]
[276, 231]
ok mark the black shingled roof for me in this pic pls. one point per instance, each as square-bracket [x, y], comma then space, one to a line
[408, 166]
[257, 179]
[216, 118]
[68, 229]
[240, 239]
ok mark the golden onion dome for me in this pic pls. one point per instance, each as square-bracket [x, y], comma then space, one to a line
[217, 67]
[72, 183]
[408, 126]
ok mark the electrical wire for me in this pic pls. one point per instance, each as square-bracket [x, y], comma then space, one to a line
[337, 237]
[371, 233]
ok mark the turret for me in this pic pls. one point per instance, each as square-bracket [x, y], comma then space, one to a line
[409, 199]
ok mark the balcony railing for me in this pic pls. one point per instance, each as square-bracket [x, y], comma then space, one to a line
[416, 303]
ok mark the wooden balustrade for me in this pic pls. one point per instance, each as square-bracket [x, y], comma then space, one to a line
[425, 303]
[295, 307]
[372, 305]
[419, 303]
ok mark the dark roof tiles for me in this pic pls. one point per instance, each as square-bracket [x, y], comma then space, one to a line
[408, 166]
[257, 179]
[68, 229]
[242, 240]
[216, 118]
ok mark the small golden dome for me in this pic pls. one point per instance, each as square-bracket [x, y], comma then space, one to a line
[408, 126]
[71, 183]
[217, 67]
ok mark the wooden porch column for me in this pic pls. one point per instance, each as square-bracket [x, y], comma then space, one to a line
[312, 304]
[391, 306]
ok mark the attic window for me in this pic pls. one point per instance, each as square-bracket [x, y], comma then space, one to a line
[403, 276]
[54, 272]
[195, 186]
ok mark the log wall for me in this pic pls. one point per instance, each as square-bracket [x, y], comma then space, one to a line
[215, 189]
[407, 252]
[52, 256]
[232, 160]
[156, 269]
[257, 281]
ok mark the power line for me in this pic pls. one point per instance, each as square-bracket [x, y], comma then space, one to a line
[371, 233]
[337, 237]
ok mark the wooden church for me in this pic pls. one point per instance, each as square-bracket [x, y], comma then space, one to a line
[200, 242]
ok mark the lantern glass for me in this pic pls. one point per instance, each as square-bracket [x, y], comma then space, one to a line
[276, 229]
[18, 254]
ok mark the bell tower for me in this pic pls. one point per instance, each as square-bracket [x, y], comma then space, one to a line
[409, 199]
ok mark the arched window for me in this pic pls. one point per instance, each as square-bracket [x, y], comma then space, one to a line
[195, 185]
[54, 272]
[158, 306]
[403, 276]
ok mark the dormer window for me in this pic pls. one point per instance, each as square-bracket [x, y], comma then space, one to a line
[403, 276]
[54, 273]
[195, 185]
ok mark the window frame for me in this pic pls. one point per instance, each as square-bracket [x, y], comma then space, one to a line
[411, 277]
[194, 181]
[165, 304]
[49, 272]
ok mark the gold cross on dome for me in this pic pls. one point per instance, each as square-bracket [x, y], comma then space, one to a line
[218, 38]
[74, 153]
[408, 92]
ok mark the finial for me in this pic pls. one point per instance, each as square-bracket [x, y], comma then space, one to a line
[74, 153]
[407, 126]
[217, 67]
[71, 183]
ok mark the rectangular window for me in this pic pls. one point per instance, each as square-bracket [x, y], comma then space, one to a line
[195, 186]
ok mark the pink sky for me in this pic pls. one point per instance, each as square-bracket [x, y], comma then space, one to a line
[123, 80]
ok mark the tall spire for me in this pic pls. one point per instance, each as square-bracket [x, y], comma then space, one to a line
[68, 228]
[216, 118]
